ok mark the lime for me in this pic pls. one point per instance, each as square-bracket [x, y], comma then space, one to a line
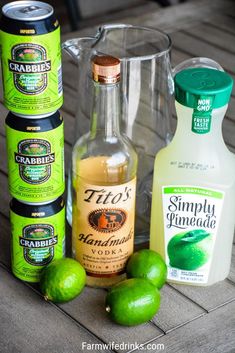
[190, 250]
[132, 301]
[62, 280]
[147, 264]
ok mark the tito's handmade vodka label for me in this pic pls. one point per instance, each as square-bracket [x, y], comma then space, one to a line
[103, 227]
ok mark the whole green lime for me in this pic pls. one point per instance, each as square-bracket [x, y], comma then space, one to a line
[148, 264]
[132, 301]
[190, 250]
[62, 280]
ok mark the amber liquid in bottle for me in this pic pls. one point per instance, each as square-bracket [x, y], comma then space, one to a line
[104, 179]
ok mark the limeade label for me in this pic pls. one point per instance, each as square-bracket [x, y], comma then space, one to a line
[191, 220]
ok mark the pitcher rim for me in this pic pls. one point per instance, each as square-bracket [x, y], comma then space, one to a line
[146, 28]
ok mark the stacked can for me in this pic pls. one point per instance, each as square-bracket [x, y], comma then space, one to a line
[32, 87]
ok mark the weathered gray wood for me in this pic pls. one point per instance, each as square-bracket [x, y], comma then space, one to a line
[30, 324]
[5, 241]
[191, 45]
[211, 333]
[210, 297]
[215, 36]
[175, 310]
[182, 15]
[231, 275]
[89, 309]
[23, 315]
[221, 21]
[5, 197]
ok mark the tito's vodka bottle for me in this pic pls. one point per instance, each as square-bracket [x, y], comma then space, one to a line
[104, 167]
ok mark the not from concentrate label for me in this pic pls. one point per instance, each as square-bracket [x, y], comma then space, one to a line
[201, 119]
[191, 218]
[103, 227]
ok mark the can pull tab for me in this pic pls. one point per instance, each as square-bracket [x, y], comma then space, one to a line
[29, 9]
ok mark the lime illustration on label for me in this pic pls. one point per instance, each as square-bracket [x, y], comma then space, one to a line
[191, 219]
[38, 243]
[29, 66]
[190, 250]
[34, 159]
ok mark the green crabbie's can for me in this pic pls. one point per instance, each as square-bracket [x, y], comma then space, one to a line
[38, 237]
[35, 150]
[31, 58]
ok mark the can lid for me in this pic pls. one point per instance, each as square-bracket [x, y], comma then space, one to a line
[195, 83]
[105, 69]
[27, 10]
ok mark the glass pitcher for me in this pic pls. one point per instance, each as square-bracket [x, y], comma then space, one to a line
[146, 98]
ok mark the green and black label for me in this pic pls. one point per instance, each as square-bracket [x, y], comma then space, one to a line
[34, 159]
[32, 72]
[201, 119]
[35, 151]
[38, 243]
[38, 237]
[29, 66]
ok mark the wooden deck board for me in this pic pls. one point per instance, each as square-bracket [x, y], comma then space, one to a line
[211, 333]
[89, 309]
[171, 315]
[192, 45]
[221, 21]
[195, 319]
[29, 324]
[210, 297]
[231, 275]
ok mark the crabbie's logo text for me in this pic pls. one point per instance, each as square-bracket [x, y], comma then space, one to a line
[32, 160]
[32, 243]
[29, 68]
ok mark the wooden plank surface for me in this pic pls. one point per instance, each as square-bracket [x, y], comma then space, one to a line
[30, 324]
[171, 315]
[211, 333]
[191, 319]
[89, 309]
[210, 297]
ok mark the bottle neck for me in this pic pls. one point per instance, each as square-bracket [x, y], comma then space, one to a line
[106, 110]
[185, 133]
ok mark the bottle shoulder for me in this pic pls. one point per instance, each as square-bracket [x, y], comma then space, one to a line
[104, 160]
[89, 145]
[195, 167]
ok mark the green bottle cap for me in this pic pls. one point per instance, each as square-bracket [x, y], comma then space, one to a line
[198, 83]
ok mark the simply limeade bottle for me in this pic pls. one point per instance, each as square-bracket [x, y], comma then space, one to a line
[193, 205]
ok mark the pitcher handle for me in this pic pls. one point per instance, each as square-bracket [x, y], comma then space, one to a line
[74, 46]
